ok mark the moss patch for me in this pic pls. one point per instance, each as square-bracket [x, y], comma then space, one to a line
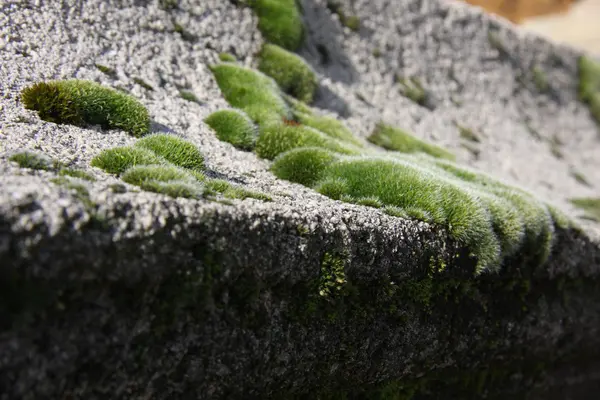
[76, 173]
[412, 88]
[118, 159]
[280, 22]
[590, 205]
[589, 85]
[391, 138]
[252, 91]
[275, 139]
[80, 102]
[174, 149]
[293, 75]
[235, 127]
[189, 96]
[227, 57]
[106, 70]
[32, 160]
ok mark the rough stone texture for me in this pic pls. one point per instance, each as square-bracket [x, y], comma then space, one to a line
[141, 296]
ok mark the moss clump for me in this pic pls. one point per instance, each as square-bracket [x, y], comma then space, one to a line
[493, 220]
[143, 84]
[234, 192]
[467, 134]
[589, 85]
[174, 149]
[293, 75]
[332, 277]
[275, 139]
[76, 173]
[252, 91]
[106, 70]
[80, 102]
[235, 127]
[580, 178]
[280, 22]
[227, 57]
[174, 189]
[391, 138]
[138, 174]
[189, 96]
[539, 79]
[118, 159]
[32, 160]
[330, 126]
[590, 205]
[304, 165]
[412, 88]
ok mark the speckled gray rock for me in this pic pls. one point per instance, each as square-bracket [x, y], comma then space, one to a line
[132, 295]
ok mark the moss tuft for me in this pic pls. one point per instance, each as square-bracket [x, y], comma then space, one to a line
[174, 189]
[539, 79]
[106, 70]
[252, 91]
[189, 96]
[174, 149]
[330, 126]
[468, 134]
[412, 88]
[303, 165]
[280, 22]
[275, 139]
[589, 85]
[235, 127]
[143, 84]
[138, 174]
[391, 138]
[80, 102]
[293, 75]
[77, 173]
[32, 160]
[118, 159]
[590, 205]
[234, 192]
[227, 57]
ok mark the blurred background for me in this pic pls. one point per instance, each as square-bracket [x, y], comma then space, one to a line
[575, 22]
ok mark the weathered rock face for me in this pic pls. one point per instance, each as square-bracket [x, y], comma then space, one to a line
[113, 292]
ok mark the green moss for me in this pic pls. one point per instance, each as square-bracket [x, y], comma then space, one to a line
[174, 149]
[332, 277]
[275, 139]
[580, 178]
[280, 22]
[492, 219]
[80, 102]
[235, 127]
[589, 85]
[106, 70]
[467, 134]
[412, 88]
[184, 33]
[555, 147]
[330, 126]
[189, 96]
[590, 205]
[352, 22]
[252, 91]
[169, 4]
[118, 159]
[143, 84]
[234, 192]
[303, 165]
[227, 57]
[174, 189]
[293, 75]
[391, 138]
[138, 174]
[539, 79]
[370, 201]
[32, 160]
[76, 173]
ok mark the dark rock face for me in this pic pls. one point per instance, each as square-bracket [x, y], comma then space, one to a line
[214, 304]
